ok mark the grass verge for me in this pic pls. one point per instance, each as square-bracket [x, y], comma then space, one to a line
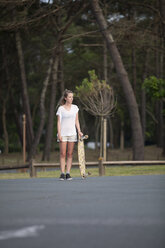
[109, 171]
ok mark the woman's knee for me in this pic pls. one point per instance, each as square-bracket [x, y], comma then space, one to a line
[69, 154]
[62, 154]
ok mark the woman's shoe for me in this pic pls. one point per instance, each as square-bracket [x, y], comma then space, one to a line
[62, 177]
[68, 177]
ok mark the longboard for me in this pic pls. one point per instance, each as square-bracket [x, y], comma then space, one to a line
[81, 156]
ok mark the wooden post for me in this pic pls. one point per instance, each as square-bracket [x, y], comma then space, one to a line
[33, 172]
[122, 136]
[101, 167]
[24, 138]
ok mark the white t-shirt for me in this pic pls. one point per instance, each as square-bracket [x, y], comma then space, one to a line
[67, 120]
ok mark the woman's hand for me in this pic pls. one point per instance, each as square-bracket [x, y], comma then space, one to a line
[80, 133]
[60, 138]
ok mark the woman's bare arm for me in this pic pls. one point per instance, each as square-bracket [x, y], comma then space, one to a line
[78, 126]
[59, 128]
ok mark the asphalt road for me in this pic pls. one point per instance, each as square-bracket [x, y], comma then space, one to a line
[112, 212]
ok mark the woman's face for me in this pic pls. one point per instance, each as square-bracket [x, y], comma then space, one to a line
[69, 98]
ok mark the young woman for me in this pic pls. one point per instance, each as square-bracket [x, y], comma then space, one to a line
[67, 123]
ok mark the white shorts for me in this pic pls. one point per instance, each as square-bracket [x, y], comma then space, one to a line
[72, 138]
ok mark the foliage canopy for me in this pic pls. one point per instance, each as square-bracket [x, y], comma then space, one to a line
[155, 87]
[96, 95]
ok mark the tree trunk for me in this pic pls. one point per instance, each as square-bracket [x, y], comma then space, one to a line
[143, 96]
[162, 11]
[122, 136]
[49, 129]
[162, 129]
[101, 136]
[18, 118]
[105, 69]
[157, 67]
[143, 113]
[105, 139]
[159, 117]
[138, 145]
[4, 103]
[97, 127]
[105, 120]
[25, 98]
[61, 70]
[111, 138]
[5, 132]
[134, 76]
[42, 113]
[159, 103]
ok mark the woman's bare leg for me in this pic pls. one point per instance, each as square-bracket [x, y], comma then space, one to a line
[69, 156]
[62, 156]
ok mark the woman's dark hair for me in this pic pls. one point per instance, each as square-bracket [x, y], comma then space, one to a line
[64, 95]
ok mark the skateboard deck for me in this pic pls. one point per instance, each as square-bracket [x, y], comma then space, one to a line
[81, 156]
